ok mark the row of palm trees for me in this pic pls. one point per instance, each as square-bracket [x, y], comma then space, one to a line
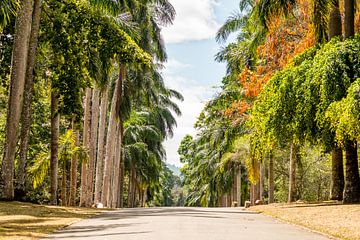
[104, 57]
[270, 35]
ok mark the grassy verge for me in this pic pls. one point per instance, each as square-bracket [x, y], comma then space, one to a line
[30, 221]
[333, 219]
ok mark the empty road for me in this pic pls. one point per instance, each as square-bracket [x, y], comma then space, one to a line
[183, 224]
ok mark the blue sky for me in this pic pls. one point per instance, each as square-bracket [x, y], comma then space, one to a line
[191, 68]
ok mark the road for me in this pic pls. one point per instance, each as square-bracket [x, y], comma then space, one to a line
[183, 224]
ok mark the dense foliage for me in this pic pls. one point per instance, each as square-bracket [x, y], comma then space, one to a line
[285, 113]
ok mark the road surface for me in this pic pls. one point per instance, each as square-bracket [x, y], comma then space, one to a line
[183, 224]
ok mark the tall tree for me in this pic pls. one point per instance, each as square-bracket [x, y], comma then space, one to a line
[352, 179]
[55, 125]
[17, 82]
[28, 95]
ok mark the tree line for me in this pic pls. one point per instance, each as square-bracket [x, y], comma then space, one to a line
[84, 106]
[284, 126]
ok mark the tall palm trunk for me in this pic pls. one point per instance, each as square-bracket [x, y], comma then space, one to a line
[337, 174]
[122, 172]
[86, 140]
[238, 183]
[109, 152]
[117, 157]
[17, 83]
[28, 93]
[55, 124]
[292, 173]
[116, 170]
[101, 145]
[63, 184]
[335, 24]
[352, 180]
[92, 147]
[271, 178]
[349, 26]
[262, 180]
[74, 166]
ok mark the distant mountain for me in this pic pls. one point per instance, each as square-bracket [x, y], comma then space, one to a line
[174, 169]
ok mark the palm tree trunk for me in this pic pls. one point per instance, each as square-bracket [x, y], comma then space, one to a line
[101, 145]
[74, 166]
[238, 183]
[292, 173]
[86, 141]
[262, 180]
[92, 146]
[349, 20]
[55, 124]
[109, 152]
[335, 24]
[63, 184]
[17, 83]
[337, 176]
[271, 178]
[28, 93]
[337, 173]
[117, 158]
[122, 172]
[116, 169]
[352, 180]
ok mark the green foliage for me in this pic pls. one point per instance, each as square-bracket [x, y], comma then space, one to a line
[76, 34]
[344, 115]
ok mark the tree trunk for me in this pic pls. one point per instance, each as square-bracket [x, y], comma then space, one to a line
[352, 180]
[117, 168]
[238, 179]
[337, 176]
[63, 184]
[117, 158]
[262, 180]
[335, 24]
[292, 173]
[122, 172]
[109, 152]
[55, 124]
[16, 91]
[349, 20]
[101, 145]
[28, 93]
[92, 147]
[271, 179]
[86, 142]
[74, 166]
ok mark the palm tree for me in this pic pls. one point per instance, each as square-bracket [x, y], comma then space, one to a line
[352, 178]
[17, 83]
[26, 114]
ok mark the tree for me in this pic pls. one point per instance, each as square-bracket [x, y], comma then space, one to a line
[17, 82]
[28, 95]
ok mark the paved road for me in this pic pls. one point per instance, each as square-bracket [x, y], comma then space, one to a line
[183, 224]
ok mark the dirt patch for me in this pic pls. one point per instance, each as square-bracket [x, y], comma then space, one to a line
[331, 218]
[29, 221]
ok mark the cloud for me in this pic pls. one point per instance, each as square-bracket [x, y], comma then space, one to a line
[195, 97]
[195, 20]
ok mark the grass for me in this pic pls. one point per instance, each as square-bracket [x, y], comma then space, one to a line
[29, 221]
[330, 218]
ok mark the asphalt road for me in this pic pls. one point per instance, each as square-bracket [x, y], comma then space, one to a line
[184, 224]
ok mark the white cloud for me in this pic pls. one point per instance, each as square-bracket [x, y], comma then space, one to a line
[195, 96]
[195, 20]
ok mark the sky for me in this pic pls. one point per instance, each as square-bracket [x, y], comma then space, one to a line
[191, 69]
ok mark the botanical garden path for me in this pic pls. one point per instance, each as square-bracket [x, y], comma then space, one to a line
[183, 224]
